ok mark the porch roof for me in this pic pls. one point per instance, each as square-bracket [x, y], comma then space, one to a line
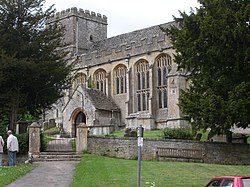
[100, 100]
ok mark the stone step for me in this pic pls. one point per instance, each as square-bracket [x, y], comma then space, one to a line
[57, 156]
[55, 159]
[60, 156]
[58, 153]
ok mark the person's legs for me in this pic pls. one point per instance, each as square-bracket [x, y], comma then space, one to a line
[10, 158]
[14, 158]
[1, 158]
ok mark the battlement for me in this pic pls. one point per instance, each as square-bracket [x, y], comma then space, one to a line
[126, 50]
[79, 13]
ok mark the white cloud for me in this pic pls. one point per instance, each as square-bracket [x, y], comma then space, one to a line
[126, 16]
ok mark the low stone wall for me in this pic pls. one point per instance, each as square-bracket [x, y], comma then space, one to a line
[213, 152]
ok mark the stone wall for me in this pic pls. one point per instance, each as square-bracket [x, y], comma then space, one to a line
[217, 153]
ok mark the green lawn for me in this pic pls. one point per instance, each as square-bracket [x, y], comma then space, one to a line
[100, 171]
[10, 174]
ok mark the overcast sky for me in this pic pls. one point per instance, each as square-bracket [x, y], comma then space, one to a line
[129, 15]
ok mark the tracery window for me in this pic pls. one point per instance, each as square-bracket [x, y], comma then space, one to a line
[120, 79]
[80, 79]
[164, 66]
[100, 80]
[142, 90]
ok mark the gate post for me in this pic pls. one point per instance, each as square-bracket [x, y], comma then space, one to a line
[34, 138]
[81, 138]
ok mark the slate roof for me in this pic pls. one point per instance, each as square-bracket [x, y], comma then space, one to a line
[135, 36]
[100, 100]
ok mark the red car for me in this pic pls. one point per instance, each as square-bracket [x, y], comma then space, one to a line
[230, 181]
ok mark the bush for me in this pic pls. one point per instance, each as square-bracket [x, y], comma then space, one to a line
[4, 121]
[45, 139]
[23, 141]
[73, 144]
[178, 133]
[52, 131]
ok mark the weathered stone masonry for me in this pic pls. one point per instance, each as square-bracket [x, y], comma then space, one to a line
[217, 153]
[140, 63]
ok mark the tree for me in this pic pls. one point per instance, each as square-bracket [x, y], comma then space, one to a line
[33, 66]
[212, 46]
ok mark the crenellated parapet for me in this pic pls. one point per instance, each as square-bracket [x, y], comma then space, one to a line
[125, 50]
[79, 13]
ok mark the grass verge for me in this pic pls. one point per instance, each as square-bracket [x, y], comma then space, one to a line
[100, 171]
[10, 174]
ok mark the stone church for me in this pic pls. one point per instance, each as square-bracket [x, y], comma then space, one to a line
[119, 82]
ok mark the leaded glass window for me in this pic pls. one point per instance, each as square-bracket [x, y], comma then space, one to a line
[120, 77]
[100, 80]
[80, 79]
[164, 66]
[142, 91]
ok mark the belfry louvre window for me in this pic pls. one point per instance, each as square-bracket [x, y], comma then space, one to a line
[80, 79]
[164, 65]
[100, 80]
[142, 85]
[120, 79]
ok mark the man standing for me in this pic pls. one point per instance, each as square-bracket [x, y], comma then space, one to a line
[1, 150]
[12, 146]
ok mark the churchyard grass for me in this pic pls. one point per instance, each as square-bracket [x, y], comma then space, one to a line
[52, 131]
[100, 171]
[10, 174]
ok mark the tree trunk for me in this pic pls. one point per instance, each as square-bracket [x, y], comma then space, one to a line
[12, 124]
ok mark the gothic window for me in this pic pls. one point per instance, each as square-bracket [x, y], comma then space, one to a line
[120, 78]
[142, 91]
[80, 79]
[100, 80]
[164, 66]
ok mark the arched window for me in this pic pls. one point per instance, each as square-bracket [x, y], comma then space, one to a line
[120, 79]
[80, 79]
[100, 80]
[164, 66]
[142, 87]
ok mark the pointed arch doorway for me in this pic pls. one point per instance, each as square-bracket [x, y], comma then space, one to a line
[80, 118]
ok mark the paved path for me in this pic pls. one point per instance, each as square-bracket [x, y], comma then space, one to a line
[48, 174]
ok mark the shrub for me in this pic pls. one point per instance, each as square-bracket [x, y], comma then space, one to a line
[52, 131]
[178, 133]
[73, 144]
[23, 141]
[44, 141]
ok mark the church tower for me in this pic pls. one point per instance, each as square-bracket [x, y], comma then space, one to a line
[82, 28]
